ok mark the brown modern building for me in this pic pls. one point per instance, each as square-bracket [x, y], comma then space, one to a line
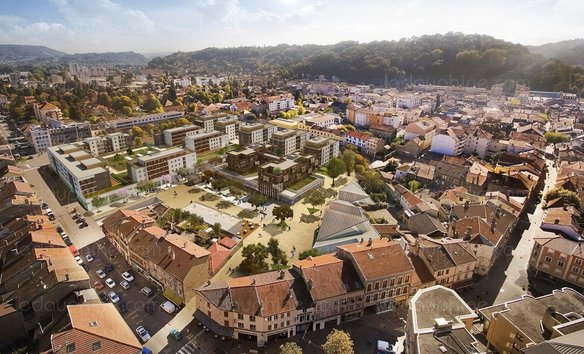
[324, 149]
[275, 177]
[176, 136]
[255, 133]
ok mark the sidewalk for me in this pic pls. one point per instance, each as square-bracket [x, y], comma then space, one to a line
[161, 339]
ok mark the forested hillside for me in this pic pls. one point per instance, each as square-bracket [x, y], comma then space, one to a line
[570, 52]
[430, 58]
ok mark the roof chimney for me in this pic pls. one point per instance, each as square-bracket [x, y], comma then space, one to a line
[369, 242]
[253, 281]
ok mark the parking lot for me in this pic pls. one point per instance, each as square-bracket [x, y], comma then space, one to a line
[135, 301]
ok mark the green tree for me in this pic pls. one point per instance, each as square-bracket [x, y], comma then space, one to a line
[184, 172]
[152, 104]
[217, 230]
[338, 342]
[145, 186]
[104, 99]
[97, 202]
[569, 196]
[335, 168]
[282, 213]
[414, 185]
[348, 158]
[290, 348]
[314, 198]
[137, 132]
[255, 256]
[257, 199]
[309, 253]
[554, 137]
[371, 181]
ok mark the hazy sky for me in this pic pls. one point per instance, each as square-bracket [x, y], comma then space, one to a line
[77, 26]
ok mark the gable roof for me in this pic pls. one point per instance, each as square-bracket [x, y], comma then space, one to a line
[354, 194]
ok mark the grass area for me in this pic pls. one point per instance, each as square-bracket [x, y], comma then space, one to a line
[302, 183]
[105, 190]
[118, 162]
[323, 170]
[209, 155]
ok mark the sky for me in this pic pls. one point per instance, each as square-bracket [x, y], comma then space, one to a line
[145, 26]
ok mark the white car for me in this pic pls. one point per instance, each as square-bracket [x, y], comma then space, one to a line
[125, 284]
[128, 277]
[78, 260]
[100, 273]
[89, 258]
[143, 334]
[110, 283]
[114, 297]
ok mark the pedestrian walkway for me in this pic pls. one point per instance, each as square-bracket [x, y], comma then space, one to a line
[179, 322]
[189, 348]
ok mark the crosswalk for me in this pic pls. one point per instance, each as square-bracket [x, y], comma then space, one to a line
[189, 348]
[30, 168]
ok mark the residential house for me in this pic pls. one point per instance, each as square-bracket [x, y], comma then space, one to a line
[176, 136]
[369, 144]
[450, 141]
[113, 142]
[278, 103]
[558, 259]
[323, 149]
[565, 221]
[450, 172]
[95, 328]
[288, 141]
[17, 199]
[129, 122]
[201, 141]
[421, 128]
[425, 224]
[385, 271]
[255, 133]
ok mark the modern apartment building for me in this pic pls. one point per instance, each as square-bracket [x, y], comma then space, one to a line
[81, 172]
[42, 137]
[323, 149]
[161, 163]
[201, 141]
[243, 161]
[287, 141]
[229, 126]
[99, 145]
[275, 104]
[255, 133]
[558, 258]
[126, 123]
[275, 177]
[176, 136]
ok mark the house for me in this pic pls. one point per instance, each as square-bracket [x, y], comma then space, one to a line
[95, 328]
[564, 221]
[558, 259]
[529, 320]
[450, 141]
[17, 199]
[451, 263]
[425, 224]
[275, 177]
[343, 223]
[384, 269]
[450, 172]
[439, 321]
[323, 149]
[421, 128]
[369, 144]
[162, 163]
[275, 104]
[173, 262]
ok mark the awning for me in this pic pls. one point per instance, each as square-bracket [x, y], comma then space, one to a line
[172, 296]
[73, 250]
[213, 326]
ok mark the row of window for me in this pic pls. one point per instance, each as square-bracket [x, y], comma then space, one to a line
[392, 282]
[384, 294]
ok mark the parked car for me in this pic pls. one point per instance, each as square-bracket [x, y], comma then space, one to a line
[108, 267]
[44, 205]
[143, 334]
[89, 258]
[122, 307]
[168, 307]
[67, 241]
[103, 297]
[114, 297]
[127, 276]
[175, 334]
[125, 284]
[147, 291]
[100, 273]
[64, 235]
[110, 283]
[98, 285]
[60, 230]
[384, 347]
[85, 267]
[78, 260]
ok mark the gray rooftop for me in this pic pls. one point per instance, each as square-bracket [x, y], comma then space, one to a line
[438, 302]
[160, 154]
[76, 168]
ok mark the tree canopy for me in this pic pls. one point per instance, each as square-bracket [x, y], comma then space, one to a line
[338, 342]
[335, 168]
[255, 256]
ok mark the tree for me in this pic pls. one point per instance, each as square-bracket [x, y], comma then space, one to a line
[97, 202]
[335, 168]
[183, 172]
[104, 99]
[554, 137]
[123, 194]
[309, 253]
[282, 213]
[371, 181]
[145, 186]
[569, 196]
[348, 158]
[255, 256]
[152, 104]
[257, 199]
[290, 348]
[278, 255]
[217, 230]
[414, 185]
[314, 198]
[137, 132]
[338, 342]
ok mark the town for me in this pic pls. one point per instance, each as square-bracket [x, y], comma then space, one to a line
[144, 211]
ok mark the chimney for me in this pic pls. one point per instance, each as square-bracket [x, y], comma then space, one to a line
[185, 244]
[309, 284]
[493, 224]
[253, 281]
[173, 256]
[369, 242]
[361, 240]
[66, 276]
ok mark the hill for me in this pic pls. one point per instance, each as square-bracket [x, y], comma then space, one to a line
[20, 55]
[571, 51]
[16, 54]
[452, 58]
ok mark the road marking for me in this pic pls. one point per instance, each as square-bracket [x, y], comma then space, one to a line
[189, 348]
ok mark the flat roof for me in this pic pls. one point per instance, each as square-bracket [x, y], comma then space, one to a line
[76, 168]
[160, 154]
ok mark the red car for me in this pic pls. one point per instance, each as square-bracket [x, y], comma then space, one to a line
[98, 285]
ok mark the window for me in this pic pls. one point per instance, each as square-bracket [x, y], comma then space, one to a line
[252, 318]
[390, 293]
[397, 291]
[253, 327]
[560, 264]
[575, 270]
[275, 326]
[239, 325]
[71, 348]
[376, 285]
[368, 298]
[225, 313]
[578, 262]
[269, 327]
[399, 280]
[96, 346]
[548, 259]
[368, 287]
[288, 323]
[383, 295]
[391, 282]
[385, 283]
[407, 279]
[240, 316]
[226, 323]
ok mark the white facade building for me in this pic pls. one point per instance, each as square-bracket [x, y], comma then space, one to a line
[449, 142]
[408, 101]
[130, 122]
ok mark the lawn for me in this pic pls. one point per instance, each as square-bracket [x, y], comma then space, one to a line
[118, 162]
[302, 183]
[209, 155]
